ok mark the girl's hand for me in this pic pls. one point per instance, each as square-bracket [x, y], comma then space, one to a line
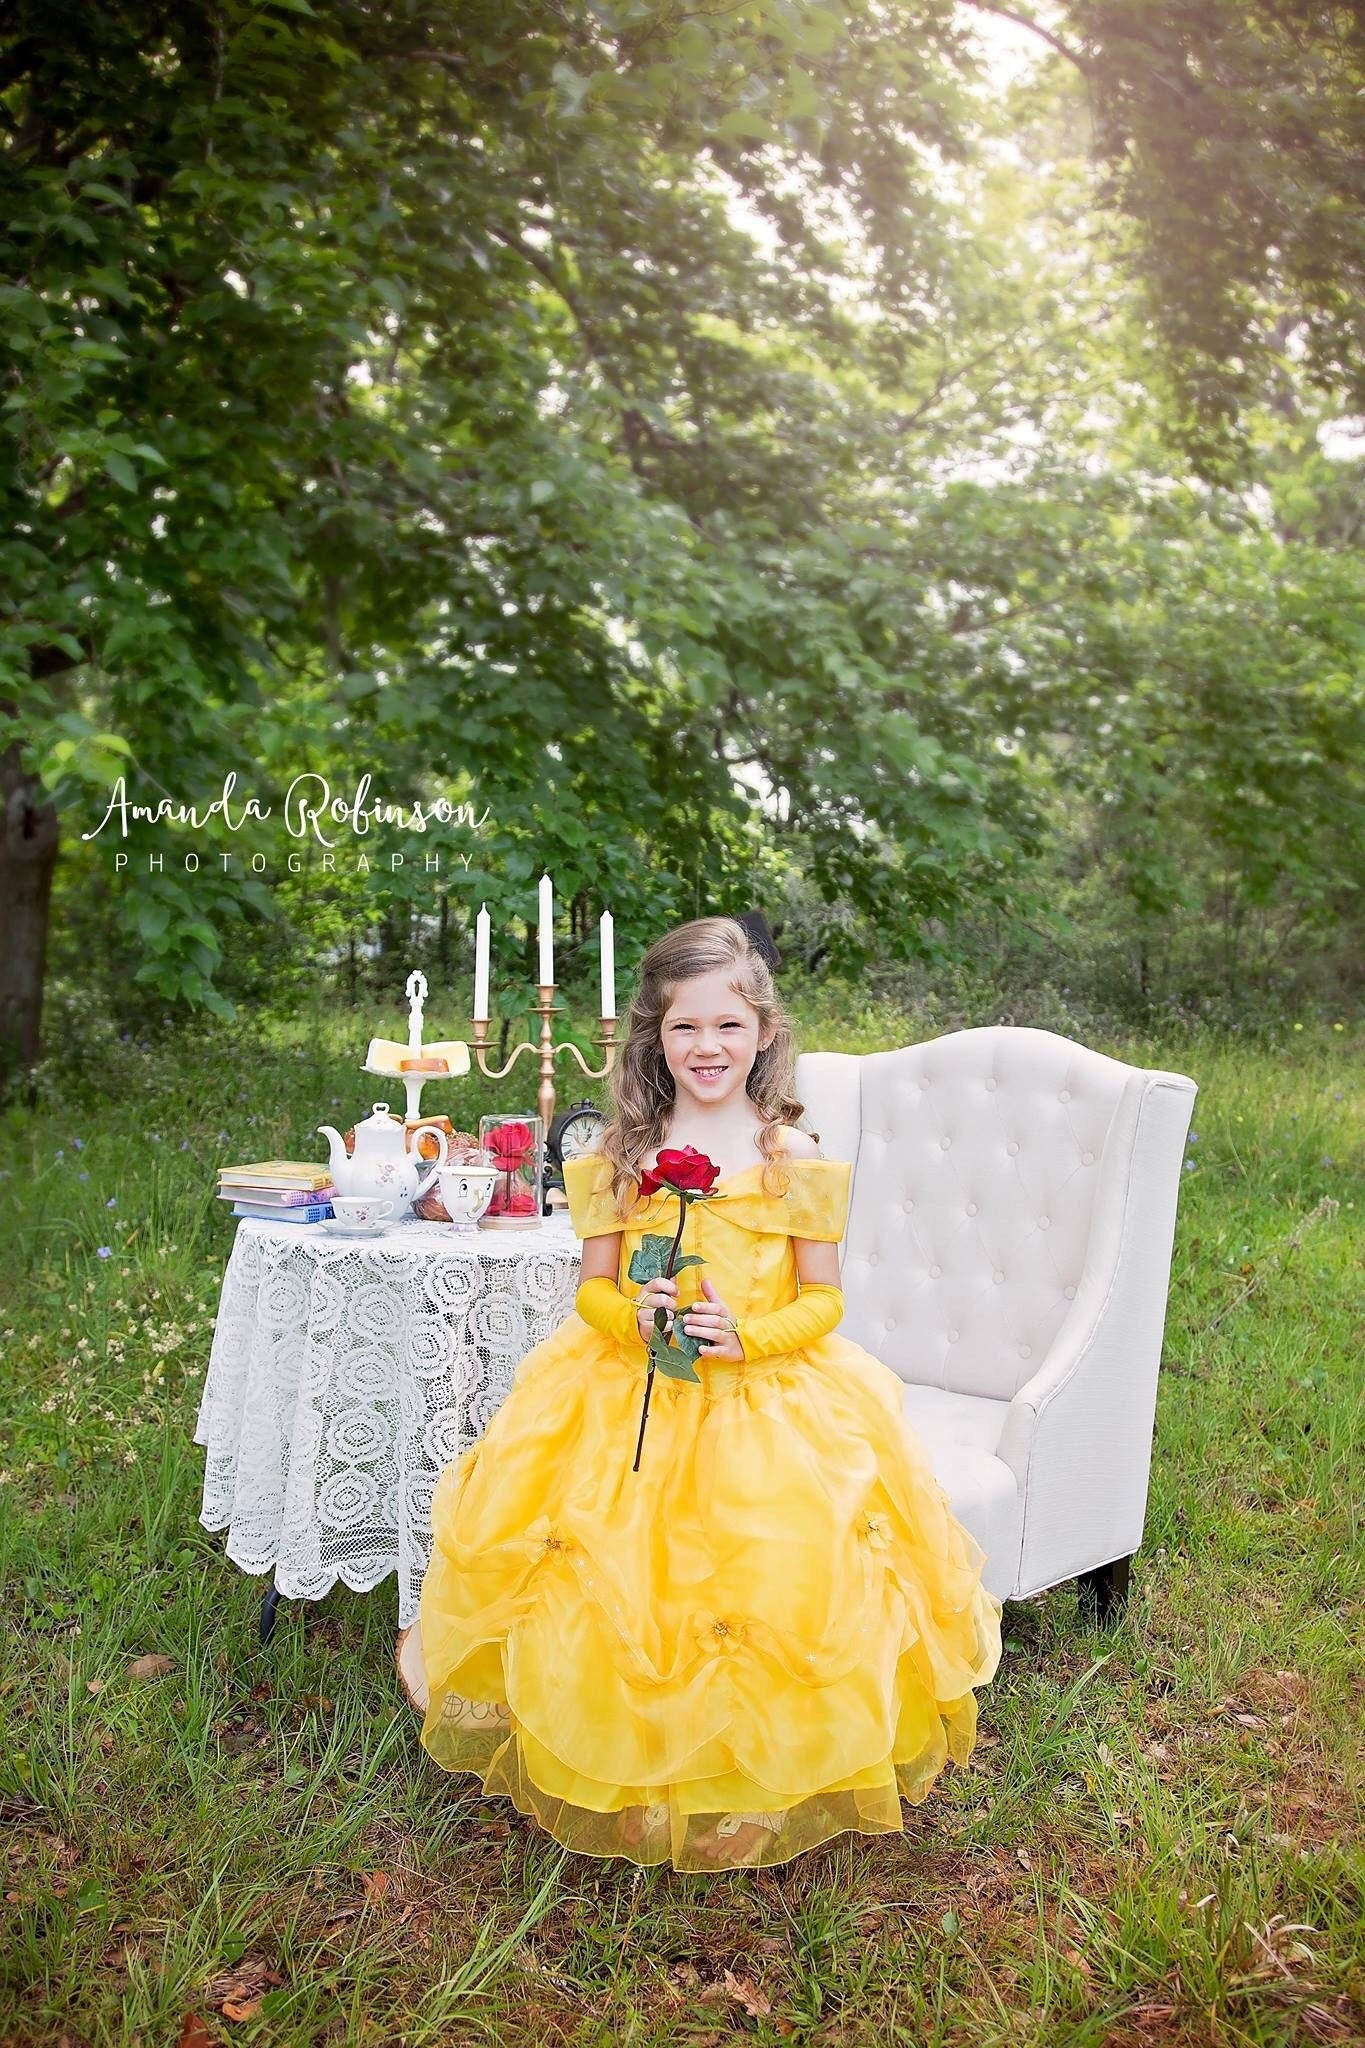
[711, 1322]
[653, 1295]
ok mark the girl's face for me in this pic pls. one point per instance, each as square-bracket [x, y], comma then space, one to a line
[711, 1038]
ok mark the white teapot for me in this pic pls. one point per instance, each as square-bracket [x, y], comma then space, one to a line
[381, 1164]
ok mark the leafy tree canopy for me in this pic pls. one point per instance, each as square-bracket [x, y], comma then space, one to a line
[583, 399]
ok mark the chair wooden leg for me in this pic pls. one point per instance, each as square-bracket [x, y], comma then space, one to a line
[1102, 1593]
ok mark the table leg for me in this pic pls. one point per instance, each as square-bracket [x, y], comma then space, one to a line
[269, 1609]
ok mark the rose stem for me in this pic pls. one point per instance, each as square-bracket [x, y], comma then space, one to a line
[644, 1414]
[660, 1316]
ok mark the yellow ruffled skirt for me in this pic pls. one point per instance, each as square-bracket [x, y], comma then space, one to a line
[770, 1634]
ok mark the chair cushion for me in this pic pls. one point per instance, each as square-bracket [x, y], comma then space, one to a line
[959, 1433]
[944, 1417]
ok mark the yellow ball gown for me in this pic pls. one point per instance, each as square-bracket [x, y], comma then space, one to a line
[768, 1635]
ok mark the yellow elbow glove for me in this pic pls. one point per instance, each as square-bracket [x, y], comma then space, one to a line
[601, 1303]
[814, 1313]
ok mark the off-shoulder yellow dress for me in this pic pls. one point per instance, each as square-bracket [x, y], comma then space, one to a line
[769, 1634]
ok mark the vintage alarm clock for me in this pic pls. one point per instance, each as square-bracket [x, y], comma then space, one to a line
[573, 1131]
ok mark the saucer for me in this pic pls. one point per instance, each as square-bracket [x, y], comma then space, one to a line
[346, 1226]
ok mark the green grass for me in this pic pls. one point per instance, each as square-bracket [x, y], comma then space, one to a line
[1154, 1842]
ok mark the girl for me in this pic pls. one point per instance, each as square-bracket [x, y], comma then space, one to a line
[772, 1630]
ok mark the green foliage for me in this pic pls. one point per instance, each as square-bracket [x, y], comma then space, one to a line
[687, 434]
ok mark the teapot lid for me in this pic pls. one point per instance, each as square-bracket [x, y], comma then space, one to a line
[379, 1113]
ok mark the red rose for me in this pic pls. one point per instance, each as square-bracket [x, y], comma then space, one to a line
[511, 1145]
[685, 1172]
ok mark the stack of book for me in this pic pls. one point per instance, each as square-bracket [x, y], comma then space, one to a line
[280, 1190]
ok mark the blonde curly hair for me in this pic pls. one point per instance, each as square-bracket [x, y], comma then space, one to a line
[641, 1089]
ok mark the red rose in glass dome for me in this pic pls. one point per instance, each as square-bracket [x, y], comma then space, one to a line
[512, 1149]
[511, 1145]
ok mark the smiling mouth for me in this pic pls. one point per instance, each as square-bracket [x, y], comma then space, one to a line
[708, 1073]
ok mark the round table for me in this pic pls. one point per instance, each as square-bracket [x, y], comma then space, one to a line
[346, 1373]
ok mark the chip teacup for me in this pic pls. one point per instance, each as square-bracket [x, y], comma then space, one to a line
[466, 1191]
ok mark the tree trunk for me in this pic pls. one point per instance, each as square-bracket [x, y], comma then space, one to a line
[28, 855]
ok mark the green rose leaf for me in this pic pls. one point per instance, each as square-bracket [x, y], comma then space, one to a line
[649, 1261]
[672, 1360]
[689, 1346]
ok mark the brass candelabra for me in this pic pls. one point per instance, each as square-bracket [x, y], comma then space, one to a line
[545, 1007]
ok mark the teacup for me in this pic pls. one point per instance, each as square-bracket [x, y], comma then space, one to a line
[363, 1212]
[466, 1191]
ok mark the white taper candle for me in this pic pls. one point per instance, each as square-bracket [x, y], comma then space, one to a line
[607, 934]
[482, 931]
[547, 922]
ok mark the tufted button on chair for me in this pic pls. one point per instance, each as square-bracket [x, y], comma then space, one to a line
[1023, 1189]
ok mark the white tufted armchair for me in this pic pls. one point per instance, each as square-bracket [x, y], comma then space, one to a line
[1008, 1255]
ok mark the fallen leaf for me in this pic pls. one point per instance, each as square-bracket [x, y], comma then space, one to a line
[376, 1883]
[746, 1993]
[94, 1686]
[194, 2034]
[153, 1665]
[1023, 1856]
[241, 1986]
[241, 2008]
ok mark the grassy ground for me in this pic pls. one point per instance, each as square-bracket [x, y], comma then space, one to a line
[1154, 1842]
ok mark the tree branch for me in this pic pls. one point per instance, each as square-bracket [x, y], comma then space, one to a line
[1082, 64]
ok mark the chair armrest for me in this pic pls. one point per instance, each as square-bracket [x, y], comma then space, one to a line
[1078, 1434]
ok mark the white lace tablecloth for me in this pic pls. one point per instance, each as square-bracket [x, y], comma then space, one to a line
[346, 1373]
